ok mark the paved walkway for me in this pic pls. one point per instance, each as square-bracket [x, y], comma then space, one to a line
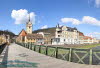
[17, 55]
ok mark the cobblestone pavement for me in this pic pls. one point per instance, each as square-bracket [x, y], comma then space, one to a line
[25, 58]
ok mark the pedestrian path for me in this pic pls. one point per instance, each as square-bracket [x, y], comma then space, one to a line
[18, 56]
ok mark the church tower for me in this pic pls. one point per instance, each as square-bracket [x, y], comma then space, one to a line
[29, 26]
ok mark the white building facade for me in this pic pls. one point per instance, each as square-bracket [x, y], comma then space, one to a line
[65, 35]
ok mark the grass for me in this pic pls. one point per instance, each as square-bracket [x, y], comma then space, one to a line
[87, 46]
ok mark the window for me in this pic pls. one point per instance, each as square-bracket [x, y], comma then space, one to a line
[23, 38]
[64, 40]
[58, 35]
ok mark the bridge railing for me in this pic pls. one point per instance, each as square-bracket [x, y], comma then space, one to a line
[2, 46]
[83, 56]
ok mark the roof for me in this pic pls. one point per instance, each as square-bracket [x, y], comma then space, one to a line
[34, 36]
[23, 33]
[87, 37]
[69, 28]
[81, 34]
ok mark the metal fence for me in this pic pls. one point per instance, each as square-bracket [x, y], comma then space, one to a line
[2, 46]
[83, 56]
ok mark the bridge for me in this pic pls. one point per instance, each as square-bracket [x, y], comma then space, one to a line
[16, 56]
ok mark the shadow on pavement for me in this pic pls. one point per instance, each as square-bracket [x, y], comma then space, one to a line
[5, 58]
[15, 63]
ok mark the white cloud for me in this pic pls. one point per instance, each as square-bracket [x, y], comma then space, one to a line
[94, 34]
[44, 27]
[85, 20]
[97, 3]
[21, 16]
[73, 20]
[90, 20]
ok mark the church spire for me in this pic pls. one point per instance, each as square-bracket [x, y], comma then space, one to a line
[29, 26]
[29, 17]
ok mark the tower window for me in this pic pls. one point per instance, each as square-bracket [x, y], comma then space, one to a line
[64, 40]
[29, 27]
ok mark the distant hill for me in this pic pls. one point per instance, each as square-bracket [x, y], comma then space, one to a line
[48, 30]
[6, 32]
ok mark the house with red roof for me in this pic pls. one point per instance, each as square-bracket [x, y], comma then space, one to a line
[86, 39]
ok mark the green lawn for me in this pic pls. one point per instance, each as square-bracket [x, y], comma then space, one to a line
[87, 46]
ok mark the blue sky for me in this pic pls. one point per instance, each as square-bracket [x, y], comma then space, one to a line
[50, 12]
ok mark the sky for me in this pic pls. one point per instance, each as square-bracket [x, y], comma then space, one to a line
[82, 14]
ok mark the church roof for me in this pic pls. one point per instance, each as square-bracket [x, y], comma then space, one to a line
[23, 33]
[34, 36]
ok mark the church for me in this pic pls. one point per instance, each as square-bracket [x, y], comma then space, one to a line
[29, 37]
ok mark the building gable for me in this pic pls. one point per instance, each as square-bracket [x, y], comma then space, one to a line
[23, 33]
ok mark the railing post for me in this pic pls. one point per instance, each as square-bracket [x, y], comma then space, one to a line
[28, 45]
[31, 46]
[70, 54]
[34, 47]
[39, 48]
[46, 50]
[25, 45]
[56, 52]
[90, 61]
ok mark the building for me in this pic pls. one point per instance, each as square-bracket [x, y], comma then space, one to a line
[5, 39]
[81, 38]
[47, 37]
[29, 37]
[68, 35]
[2, 39]
[86, 39]
[96, 40]
[29, 26]
[65, 35]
